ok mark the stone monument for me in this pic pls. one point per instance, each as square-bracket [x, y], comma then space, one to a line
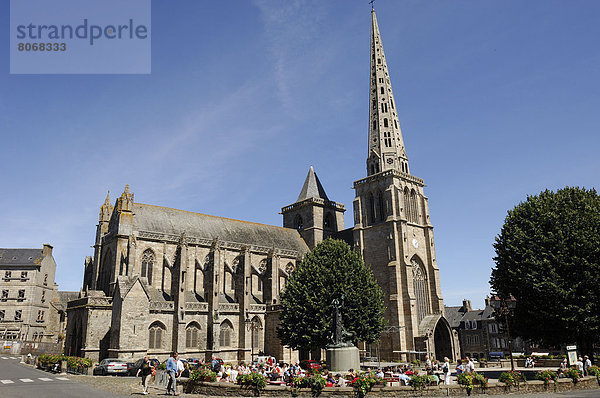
[342, 354]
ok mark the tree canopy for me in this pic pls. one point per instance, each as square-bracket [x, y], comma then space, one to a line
[548, 258]
[331, 270]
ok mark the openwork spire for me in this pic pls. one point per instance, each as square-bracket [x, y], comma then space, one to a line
[386, 146]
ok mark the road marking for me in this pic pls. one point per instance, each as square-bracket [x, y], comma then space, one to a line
[6, 381]
[4, 357]
[44, 379]
[14, 357]
[61, 378]
[26, 380]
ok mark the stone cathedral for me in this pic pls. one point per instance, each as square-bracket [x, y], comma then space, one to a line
[163, 280]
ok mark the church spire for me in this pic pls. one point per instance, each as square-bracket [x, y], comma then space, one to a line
[386, 146]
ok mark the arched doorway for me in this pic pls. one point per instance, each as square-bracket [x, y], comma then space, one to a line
[442, 337]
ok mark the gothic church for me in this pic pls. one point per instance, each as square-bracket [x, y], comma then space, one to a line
[163, 280]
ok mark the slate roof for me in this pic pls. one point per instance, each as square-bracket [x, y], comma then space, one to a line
[172, 221]
[312, 187]
[20, 257]
[454, 315]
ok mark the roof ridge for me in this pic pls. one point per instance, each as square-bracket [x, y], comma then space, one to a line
[210, 215]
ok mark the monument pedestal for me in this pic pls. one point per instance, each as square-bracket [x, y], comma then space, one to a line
[342, 359]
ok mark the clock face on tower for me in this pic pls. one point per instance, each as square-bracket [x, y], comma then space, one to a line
[415, 243]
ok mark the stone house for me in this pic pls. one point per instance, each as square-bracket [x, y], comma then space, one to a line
[27, 288]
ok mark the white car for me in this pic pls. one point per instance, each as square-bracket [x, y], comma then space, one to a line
[111, 366]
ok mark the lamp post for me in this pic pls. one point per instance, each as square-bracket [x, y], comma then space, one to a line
[504, 306]
[252, 327]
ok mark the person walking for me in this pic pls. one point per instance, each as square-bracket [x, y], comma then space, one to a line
[446, 371]
[172, 374]
[469, 365]
[146, 372]
[586, 365]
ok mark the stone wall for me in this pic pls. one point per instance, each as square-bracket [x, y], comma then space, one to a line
[229, 390]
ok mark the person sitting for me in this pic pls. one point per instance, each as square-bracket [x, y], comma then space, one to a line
[379, 374]
[340, 381]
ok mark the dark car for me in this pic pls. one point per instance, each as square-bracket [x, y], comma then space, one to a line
[133, 367]
[309, 364]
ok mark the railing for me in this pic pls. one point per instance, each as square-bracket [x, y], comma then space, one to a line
[162, 305]
[258, 307]
[229, 307]
[196, 306]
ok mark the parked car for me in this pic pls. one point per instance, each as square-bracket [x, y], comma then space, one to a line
[111, 366]
[195, 363]
[133, 367]
[310, 364]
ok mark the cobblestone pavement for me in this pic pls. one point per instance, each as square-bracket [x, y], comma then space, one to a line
[119, 385]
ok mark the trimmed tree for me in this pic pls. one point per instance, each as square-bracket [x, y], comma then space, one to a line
[331, 270]
[548, 258]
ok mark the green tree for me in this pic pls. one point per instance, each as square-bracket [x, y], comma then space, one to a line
[548, 258]
[329, 271]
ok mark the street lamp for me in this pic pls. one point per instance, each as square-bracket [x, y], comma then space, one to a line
[252, 326]
[503, 307]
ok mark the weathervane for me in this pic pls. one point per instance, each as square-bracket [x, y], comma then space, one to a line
[372, 6]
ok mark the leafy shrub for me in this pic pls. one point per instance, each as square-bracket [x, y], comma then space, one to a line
[364, 383]
[594, 370]
[418, 382]
[77, 362]
[480, 380]
[253, 380]
[546, 376]
[314, 381]
[465, 379]
[202, 374]
[574, 373]
[512, 378]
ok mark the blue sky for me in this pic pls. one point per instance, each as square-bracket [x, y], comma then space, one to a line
[496, 100]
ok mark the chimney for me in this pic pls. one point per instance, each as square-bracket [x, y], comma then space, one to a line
[467, 305]
[487, 301]
[47, 250]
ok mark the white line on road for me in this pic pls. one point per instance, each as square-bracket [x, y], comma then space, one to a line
[6, 381]
[44, 379]
[61, 378]
[26, 380]
[14, 357]
[4, 357]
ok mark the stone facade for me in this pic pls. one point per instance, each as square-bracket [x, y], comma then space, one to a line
[165, 280]
[162, 279]
[27, 287]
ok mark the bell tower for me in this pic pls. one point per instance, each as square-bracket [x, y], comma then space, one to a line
[392, 228]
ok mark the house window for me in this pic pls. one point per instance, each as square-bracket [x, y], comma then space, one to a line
[299, 223]
[385, 122]
[21, 295]
[473, 324]
[2, 314]
[35, 336]
[225, 334]
[7, 275]
[18, 314]
[392, 103]
[24, 275]
[43, 296]
[493, 328]
[155, 336]
[40, 316]
[147, 263]
[192, 334]
[382, 90]
[45, 279]
[381, 80]
[467, 324]
[4, 294]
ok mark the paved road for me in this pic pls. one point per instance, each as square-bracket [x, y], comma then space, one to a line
[18, 380]
[574, 394]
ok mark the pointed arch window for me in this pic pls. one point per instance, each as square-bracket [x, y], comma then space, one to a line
[392, 103]
[374, 124]
[382, 90]
[299, 223]
[420, 288]
[156, 334]
[147, 264]
[192, 335]
[225, 334]
[371, 209]
[256, 327]
[328, 221]
[380, 206]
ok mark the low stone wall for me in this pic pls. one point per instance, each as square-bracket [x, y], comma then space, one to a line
[231, 390]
